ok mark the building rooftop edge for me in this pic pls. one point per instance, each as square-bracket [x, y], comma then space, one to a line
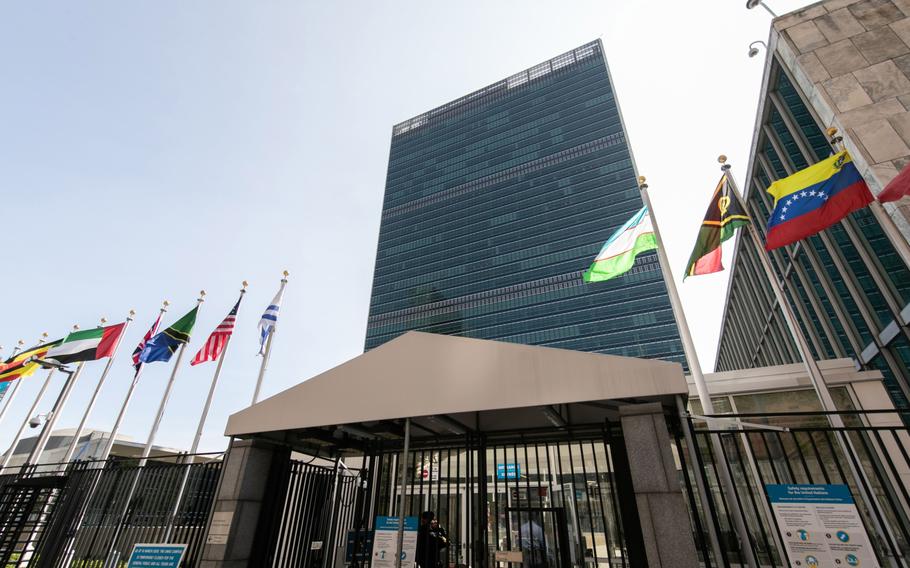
[522, 77]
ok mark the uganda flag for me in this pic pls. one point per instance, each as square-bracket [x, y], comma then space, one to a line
[19, 366]
[725, 214]
[87, 345]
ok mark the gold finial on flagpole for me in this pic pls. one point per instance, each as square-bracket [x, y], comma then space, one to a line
[244, 284]
[75, 327]
[285, 274]
[22, 341]
[201, 297]
[103, 320]
[722, 159]
[641, 182]
[130, 316]
[834, 139]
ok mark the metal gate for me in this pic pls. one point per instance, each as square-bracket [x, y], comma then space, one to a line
[871, 455]
[553, 496]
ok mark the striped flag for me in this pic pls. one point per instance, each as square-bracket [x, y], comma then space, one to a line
[269, 319]
[216, 342]
[148, 335]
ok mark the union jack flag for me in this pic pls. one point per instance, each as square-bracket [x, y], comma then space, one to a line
[148, 335]
[216, 342]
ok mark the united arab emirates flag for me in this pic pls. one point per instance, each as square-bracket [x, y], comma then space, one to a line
[725, 214]
[87, 345]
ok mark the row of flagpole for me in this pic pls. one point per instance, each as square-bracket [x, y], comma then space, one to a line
[214, 349]
[803, 348]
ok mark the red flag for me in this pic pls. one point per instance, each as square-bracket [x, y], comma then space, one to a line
[899, 187]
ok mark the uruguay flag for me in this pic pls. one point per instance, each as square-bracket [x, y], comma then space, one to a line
[269, 321]
[163, 345]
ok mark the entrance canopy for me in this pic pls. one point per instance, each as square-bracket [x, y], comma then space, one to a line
[451, 386]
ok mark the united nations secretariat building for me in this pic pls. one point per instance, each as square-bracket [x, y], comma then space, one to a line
[505, 413]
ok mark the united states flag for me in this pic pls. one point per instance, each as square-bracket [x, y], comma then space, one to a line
[214, 345]
[149, 334]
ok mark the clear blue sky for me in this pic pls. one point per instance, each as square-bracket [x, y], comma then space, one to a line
[150, 149]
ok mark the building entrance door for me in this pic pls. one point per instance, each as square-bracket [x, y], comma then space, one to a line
[541, 536]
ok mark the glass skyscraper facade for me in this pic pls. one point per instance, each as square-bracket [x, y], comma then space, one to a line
[847, 285]
[494, 205]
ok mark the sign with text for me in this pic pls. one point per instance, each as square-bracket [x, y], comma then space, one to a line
[156, 556]
[820, 526]
[508, 471]
[385, 542]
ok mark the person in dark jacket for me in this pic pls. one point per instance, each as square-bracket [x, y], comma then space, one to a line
[431, 539]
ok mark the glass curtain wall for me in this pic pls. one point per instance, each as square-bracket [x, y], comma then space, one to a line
[847, 285]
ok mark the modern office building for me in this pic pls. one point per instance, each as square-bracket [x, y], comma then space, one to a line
[841, 63]
[494, 205]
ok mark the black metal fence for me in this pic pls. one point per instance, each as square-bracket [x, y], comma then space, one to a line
[556, 496]
[90, 514]
[869, 452]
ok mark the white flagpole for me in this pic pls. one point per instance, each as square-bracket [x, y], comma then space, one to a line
[31, 411]
[52, 417]
[129, 395]
[91, 403]
[805, 352]
[198, 437]
[268, 348]
[726, 480]
[208, 401]
[167, 394]
[111, 559]
[15, 388]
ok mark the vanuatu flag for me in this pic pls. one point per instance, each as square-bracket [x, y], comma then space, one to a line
[725, 214]
[813, 199]
[618, 254]
[87, 345]
[19, 366]
[164, 344]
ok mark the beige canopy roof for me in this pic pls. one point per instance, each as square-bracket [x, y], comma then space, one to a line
[454, 382]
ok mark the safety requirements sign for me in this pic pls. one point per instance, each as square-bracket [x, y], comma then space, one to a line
[385, 542]
[820, 526]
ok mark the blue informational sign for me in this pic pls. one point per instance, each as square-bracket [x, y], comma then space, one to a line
[508, 471]
[833, 494]
[156, 556]
[391, 523]
[820, 526]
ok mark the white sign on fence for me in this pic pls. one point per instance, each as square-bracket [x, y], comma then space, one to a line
[385, 542]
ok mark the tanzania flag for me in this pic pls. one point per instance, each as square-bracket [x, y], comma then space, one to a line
[165, 344]
[19, 366]
[725, 214]
[87, 345]
[618, 254]
[813, 199]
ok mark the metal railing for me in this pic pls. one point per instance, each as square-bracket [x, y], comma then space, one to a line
[764, 449]
[86, 513]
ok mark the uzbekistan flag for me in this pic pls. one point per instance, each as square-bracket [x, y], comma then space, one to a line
[19, 366]
[87, 345]
[618, 254]
[813, 199]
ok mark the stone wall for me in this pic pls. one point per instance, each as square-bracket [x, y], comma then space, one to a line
[852, 59]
